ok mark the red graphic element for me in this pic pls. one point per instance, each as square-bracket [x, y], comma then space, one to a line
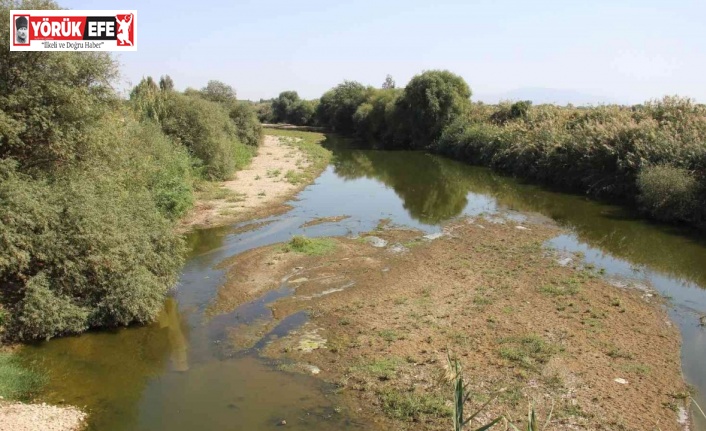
[126, 29]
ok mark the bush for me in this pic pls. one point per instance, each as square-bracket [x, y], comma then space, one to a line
[81, 251]
[205, 128]
[247, 126]
[668, 193]
[142, 157]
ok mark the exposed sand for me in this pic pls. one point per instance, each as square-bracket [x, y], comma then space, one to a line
[39, 417]
[256, 191]
[555, 335]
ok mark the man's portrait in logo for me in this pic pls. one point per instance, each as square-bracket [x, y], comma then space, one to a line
[21, 30]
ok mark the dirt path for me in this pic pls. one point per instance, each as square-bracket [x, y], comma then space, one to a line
[256, 191]
[538, 327]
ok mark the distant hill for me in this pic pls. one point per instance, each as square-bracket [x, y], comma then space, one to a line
[539, 95]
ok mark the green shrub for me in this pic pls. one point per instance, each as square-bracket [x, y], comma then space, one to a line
[81, 250]
[310, 246]
[247, 126]
[205, 128]
[142, 157]
[411, 406]
[667, 192]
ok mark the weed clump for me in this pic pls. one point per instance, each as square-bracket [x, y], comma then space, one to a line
[16, 381]
[411, 406]
[310, 246]
[529, 351]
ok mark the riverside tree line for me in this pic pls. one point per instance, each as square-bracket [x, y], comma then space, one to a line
[650, 156]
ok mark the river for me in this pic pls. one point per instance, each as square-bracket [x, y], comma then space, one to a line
[180, 373]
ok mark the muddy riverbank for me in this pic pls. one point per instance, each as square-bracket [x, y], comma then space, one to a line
[541, 328]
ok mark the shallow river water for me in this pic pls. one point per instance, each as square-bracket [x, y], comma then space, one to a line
[180, 373]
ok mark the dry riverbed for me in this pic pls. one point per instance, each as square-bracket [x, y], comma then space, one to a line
[283, 166]
[525, 323]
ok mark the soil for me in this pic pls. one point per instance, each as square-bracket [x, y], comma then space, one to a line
[532, 331]
[257, 191]
[39, 417]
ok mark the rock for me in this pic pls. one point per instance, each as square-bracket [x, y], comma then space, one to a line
[299, 280]
[282, 423]
[398, 248]
[376, 241]
[621, 381]
[433, 236]
[521, 228]
[313, 369]
[565, 261]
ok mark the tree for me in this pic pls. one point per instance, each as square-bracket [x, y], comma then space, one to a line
[302, 113]
[282, 106]
[217, 91]
[166, 83]
[148, 99]
[389, 83]
[339, 104]
[431, 101]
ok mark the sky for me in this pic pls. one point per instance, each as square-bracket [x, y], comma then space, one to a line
[618, 51]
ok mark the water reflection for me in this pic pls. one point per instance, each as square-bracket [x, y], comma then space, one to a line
[434, 189]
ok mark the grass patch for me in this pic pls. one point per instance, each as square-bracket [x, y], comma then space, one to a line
[636, 368]
[16, 381]
[212, 191]
[294, 177]
[388, 335]
[243, 155]
[568, 289]
[411, 406]
[310, 246]
[383, 369]
[529, 351]
[617, 353]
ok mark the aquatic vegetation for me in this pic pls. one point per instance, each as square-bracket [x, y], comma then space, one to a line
[17, 381]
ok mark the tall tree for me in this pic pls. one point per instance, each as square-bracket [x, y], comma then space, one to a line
[389, 82]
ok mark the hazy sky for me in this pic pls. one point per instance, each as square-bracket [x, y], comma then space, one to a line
[625, 51]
